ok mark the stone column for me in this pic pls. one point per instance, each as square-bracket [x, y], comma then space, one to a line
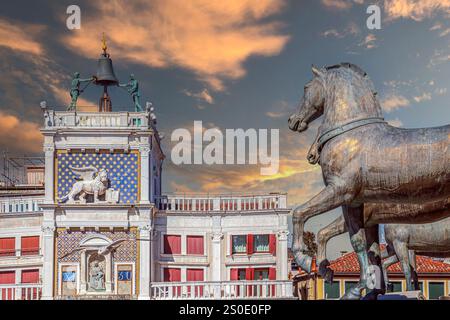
[145, 173]
[48, 238]
[108, 273]
[144, 262]
[282, 255]
[216, 255]
[49, 149]
[216, 249]
[154, 252]
[83, 273]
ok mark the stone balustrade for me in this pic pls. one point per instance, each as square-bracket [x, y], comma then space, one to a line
[74, 119]
[261, 289]
[20, 291]
[176, 203]
[21, 205]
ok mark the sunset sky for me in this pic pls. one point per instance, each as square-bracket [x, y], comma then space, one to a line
[231, 64]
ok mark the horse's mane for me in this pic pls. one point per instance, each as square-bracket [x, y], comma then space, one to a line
[355, 69]
[348, 65]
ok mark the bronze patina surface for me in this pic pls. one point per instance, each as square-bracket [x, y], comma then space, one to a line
[371, 163]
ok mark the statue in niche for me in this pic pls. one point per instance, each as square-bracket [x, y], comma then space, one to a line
[96, 277]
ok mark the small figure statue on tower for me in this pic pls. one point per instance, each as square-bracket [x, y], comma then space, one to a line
[75, 89]
[133, 90]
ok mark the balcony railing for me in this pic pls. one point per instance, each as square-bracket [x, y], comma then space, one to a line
[69, 119]
[262, 289]
[174, 203]
[20, 291]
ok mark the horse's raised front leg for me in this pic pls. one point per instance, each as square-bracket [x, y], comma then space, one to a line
[332, 230]
[330, 197]
[313, 156]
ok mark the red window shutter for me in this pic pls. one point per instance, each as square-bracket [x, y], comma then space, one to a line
[272, 273]
[7, 247]
[249, 274]
[30, 245]
[234, 274]
[194, 274]
[7, 277]
[172, 274]
[272, 244]
[172, 244]
[195, 245]
[30, 276]
[249, 244]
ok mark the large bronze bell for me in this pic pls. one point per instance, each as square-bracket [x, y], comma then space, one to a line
[105, 72]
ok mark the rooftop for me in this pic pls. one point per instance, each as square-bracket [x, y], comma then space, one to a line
[348, 264]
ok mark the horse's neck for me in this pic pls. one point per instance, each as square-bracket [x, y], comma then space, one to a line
[345, 108]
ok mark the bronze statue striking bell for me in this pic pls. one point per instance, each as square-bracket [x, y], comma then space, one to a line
[105, 72]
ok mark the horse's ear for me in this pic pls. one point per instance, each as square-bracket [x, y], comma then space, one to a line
[316, 71]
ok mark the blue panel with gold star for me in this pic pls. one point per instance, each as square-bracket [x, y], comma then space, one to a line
[122, 172]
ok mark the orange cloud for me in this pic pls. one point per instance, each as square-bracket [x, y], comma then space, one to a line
[393, 102]
[19, 135]
[19, 36]
[415, 9]
[337, 4]
[211, 38]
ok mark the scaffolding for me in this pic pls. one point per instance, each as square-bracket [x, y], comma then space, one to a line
[15, 169]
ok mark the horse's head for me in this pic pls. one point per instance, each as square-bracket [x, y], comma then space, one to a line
[312, 104]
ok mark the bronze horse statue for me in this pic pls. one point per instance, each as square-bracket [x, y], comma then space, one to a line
[436, 241]
[365, 160]
[404, 241]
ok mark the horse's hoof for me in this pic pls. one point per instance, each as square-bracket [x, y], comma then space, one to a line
[352, 294]
[329, 275]
[325, 272]
[304, 261]
[373, 294]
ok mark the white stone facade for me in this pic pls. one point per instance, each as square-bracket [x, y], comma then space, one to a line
[127, 239]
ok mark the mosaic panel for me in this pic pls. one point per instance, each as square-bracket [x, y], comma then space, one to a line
[69, 241]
